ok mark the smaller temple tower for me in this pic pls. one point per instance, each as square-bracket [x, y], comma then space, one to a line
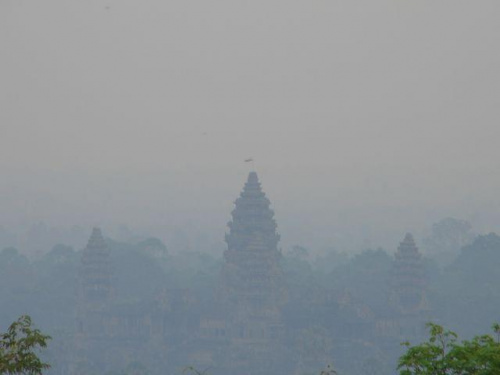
[95, 275]
[407, 310]
[408, 281]
[94, 298]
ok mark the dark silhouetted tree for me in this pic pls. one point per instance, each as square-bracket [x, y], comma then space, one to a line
[19, 347]
[442, 354]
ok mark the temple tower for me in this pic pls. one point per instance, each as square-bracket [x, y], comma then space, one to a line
[252, 217]
[253, 276]
[94, 298]
[408, 280]
[252, 288]
[95, 274]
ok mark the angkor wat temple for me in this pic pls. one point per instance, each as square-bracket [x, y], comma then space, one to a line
[247, 326]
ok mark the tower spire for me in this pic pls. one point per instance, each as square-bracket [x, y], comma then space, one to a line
[252, 216]
[95, 272]
[252, 286]
[408, 279]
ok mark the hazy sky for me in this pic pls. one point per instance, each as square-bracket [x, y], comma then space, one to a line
[365, 118]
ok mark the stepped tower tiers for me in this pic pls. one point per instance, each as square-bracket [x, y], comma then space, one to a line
[94, 297]
[252, 270]
[95, 272]
[408, 277]
[95, 289]
[252, 289]
[252, 218]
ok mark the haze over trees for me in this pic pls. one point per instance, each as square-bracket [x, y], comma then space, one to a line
[134, 229]
[329, 296]
[447, 237]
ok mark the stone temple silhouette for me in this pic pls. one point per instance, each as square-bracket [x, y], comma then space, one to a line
[250, 322]
[94, 298]
[247, 316]
[253, 280]
[408, 278]
[253, 289]
[241, 329]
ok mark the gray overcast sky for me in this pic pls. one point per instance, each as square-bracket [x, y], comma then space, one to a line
[365, 118]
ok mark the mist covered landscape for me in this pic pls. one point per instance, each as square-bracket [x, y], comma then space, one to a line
[250, 188]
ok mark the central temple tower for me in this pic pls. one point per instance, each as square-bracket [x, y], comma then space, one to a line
[252, 288]
[252, 217]
[253, 279]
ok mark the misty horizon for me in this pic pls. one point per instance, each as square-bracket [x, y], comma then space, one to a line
[362, 123]
[260, 188]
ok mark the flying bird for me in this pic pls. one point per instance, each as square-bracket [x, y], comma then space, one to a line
[248, 160]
